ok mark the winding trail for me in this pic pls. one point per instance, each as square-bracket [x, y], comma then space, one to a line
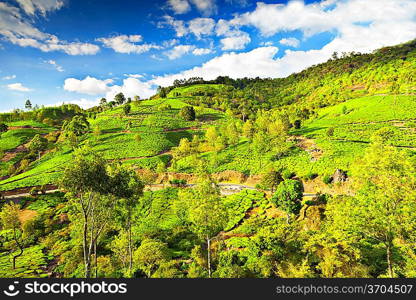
[225, 188]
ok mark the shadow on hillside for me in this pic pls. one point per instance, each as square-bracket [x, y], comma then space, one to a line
[109, 138]
[307, 131]
[175, 137]
[208, 117]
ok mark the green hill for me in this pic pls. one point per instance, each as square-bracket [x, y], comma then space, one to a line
[293, 177]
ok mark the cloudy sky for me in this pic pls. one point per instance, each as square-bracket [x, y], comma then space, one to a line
[54, 51]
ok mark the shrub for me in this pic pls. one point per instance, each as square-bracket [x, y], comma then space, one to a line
[327, 179]
[330, 131]
[286, 174]
[187, 113]
[310, 176]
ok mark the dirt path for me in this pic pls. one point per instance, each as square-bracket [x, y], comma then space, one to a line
[309, 146]
[9, 155]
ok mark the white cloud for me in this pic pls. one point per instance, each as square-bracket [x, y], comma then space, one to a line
[88, 85]
[201, 26]
[202, 51]
[84, 103]
[19, 31]
[179, 6]
[206, 7]
[178, 25]
[292, 42]
[30, 7]
[125, 44]
[316, 17]
[54, 64]
[134, 75]
[130, 88]
[179, 51]
[170, 43]
[9, 77]
[258, 62]
[92, 86]
[18, 87]
[237, 42]
[235, 39]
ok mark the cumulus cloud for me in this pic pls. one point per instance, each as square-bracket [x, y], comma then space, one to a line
[317, 17]
[92, 86]
[88, 85]
[132, 87]
[19, 31]
[178, 25]
[292, 42]
[237, 42]
[84, 103]
[55, 65]
[202, 51]
[206, 7]
[126, 44]
[179, 51]
[31, 7]
[201, 26]
[258, 62]
[179, 6]
[18, 87]
[235, 39]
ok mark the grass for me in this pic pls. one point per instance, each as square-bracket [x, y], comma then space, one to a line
[30, 265]
[159, 129]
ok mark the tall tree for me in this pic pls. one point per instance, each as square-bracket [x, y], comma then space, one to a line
[28, 104]
[120, 98]
[38, 144]
[288, 197]
[383, 210]
[207, 214]
[126, 185]
[86, 179]
[10, 221]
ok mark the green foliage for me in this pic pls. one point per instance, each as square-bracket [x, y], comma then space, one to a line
[120, 98]
[187, 113]
[288, 196]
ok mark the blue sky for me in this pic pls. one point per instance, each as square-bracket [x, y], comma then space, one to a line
[54, 51]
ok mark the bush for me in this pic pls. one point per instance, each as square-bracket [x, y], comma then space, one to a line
[286, 174]
[310, 176]
[187, 113]
[330, 131]
[327, 179]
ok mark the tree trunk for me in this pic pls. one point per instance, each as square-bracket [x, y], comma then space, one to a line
[130, 247]
[20, 248]
[87, 261]
[389, 260]
[209, 256]
[95, 259]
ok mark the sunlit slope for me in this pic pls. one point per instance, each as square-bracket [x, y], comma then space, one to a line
[115, 136]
